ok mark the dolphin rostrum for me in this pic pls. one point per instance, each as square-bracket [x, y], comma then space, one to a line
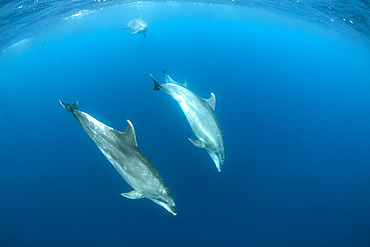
[137, 26]
[201, 116]
[121, 149]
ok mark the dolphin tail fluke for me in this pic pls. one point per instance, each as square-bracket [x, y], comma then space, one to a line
[69, 107]
[156, 84]
[168, 79]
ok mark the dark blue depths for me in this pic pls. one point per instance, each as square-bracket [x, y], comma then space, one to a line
[293, 105]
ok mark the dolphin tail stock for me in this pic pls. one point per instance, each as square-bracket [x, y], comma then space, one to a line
[69, 107]
[157, 86]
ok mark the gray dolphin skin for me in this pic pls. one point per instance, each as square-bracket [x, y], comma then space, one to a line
[137, 26]
[121, 149]
[201, 116]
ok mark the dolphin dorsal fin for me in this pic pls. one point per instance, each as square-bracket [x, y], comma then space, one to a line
[130, 132]
[211, 101]
[132, 195]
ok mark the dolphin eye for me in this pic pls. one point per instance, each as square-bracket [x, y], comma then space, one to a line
[161, 200]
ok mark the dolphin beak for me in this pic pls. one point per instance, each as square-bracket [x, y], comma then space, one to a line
[168, 207]
[216, 160]
[171, 209]
[218, 165]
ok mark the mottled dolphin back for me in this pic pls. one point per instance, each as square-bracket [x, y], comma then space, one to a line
[122, 151]
[201, 117]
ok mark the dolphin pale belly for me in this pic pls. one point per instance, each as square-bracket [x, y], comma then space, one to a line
[201, 116]
[121, 149]
[137, 26]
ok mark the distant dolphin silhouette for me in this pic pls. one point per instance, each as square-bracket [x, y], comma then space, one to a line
[137, 26]
[121, 149]
[201, 116]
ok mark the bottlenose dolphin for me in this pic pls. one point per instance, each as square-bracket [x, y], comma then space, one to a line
[121, 149]
[137, 26]
[201, 116]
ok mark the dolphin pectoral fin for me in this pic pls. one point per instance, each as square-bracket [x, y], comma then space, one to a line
[130, 132]
[135, 32]
[144, 35]
[211, 101]
[132, 195]
[197, 143]
[156, 84]
[69, 107]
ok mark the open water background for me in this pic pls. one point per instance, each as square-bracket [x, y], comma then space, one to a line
[292, 90]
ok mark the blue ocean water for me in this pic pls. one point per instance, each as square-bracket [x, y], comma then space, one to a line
[292, 100]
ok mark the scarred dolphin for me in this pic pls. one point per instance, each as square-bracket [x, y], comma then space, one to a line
[121, 149]
[137, 26]
[201, 116]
